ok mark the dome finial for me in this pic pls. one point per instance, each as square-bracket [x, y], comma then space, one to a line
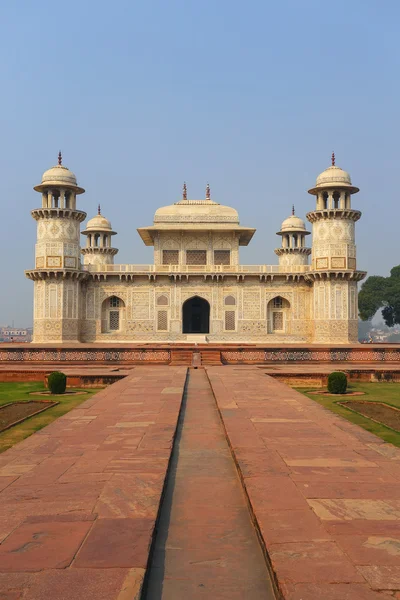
[293, 210]
[98, 210]
[333, 159]
[184, 192]
[60, 158]
[208, 192]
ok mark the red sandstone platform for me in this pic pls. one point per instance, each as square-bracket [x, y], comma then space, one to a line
[325, 494]
[79, 499]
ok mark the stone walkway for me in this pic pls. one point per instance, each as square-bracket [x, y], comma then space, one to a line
[206, 546]
[79, 499]
[325, 493]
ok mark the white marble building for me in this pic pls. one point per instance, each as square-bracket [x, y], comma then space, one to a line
[196, 289]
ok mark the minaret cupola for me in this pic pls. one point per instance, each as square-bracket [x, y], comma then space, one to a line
[293, 250]
[59, 187]
[98, 249]
[333, 188]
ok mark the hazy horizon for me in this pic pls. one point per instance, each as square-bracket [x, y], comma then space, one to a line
[251, 98]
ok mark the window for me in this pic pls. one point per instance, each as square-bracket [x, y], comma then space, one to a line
[222, 257]
[162, 320]
[229, 320]
[114, 320]
[162, 301]
[278, 315]
[170, 257]
[325, 200]
[196, 257]
[277, 321]
[112, 315]
[230, 301]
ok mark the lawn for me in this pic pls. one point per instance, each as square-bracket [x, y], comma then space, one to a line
[388, 393]
[13, 392]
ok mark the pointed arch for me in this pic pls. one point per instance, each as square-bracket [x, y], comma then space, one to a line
[196, 315]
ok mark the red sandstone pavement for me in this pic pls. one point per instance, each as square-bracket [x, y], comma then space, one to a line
[79, 499]
[324, 492]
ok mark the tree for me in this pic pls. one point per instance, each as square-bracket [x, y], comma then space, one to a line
[381, 293]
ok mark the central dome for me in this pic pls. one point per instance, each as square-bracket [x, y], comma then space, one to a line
[196, 211]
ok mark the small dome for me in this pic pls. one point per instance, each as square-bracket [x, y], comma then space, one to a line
[59, 175]
[293, 223]
[333, 176]
[98, 223]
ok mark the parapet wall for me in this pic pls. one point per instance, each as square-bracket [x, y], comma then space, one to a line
[124, 354]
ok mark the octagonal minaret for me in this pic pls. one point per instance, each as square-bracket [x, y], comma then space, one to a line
[57, 273]
[293, 250]
[98, 249]
[333, 257]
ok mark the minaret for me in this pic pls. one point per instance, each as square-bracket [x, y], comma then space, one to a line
[98, 250]
[334, 272]
[293, 250]
[57, 273]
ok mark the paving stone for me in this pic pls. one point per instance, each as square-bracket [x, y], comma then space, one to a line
[14, 585]
[351, 490]
[5, 481]
[371, 549]
[343, 509]
[280, 526]
[274, 493]
[46, 545]
[116, 543]
[99, 584]
[381, 577]
[336, 591]
[316, 561]
[131, 495]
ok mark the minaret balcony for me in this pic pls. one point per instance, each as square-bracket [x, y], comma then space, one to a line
[57, 213]
[333, 213]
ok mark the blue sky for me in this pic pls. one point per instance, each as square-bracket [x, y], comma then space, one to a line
[250, 96]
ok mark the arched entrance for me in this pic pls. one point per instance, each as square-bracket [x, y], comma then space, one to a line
[196, 315]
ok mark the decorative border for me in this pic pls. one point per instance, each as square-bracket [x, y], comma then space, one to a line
[99, 356]
[351, 355]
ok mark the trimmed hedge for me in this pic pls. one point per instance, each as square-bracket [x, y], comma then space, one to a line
[337, 383]
[57, 382]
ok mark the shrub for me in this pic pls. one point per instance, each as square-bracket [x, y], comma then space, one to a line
[57, 382]
[337, 383]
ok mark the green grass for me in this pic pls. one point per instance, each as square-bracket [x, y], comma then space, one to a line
[388, 393]
[15, 392]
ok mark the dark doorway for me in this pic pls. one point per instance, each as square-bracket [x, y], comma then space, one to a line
[196, 315]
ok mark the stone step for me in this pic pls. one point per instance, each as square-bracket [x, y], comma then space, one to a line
[181, 357]
[210, 357]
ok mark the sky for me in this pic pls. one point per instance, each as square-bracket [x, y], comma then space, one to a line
[252, 97]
